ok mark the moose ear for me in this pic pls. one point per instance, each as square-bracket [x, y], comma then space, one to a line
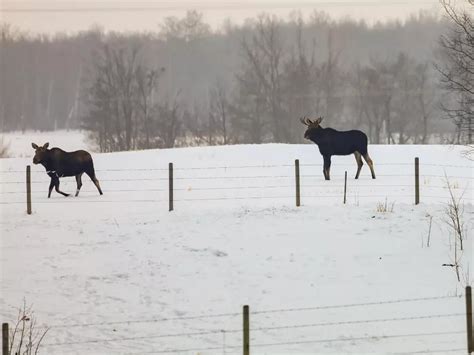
[34, 146]
[46, 145]
[318, 121]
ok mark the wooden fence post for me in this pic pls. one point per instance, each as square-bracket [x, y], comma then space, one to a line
[470, 336]
[345, 186]
[297, 179]
[171, 186]
[28, 189]
[417, 181]
[5, 345]
[246, 331]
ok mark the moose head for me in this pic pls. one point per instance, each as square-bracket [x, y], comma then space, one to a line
[312, 125]
[40, 153]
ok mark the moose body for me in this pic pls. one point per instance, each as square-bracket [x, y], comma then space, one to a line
[59, 163]
[332, 142]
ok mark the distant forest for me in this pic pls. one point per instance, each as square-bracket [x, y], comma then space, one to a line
[186, 84]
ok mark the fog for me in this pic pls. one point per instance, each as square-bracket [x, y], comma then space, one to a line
[66, 16]
[189, 81]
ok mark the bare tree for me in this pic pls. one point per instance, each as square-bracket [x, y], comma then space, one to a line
[425, 97]
[454, 218]
[169, 122]
[125, 71]
[371, 99]
[126, 112]
[410, 101]
[329, 80]
[300, 82]
[188, 28]
[247, 117]
[101, 100]
[218, 112]
[247, 108]
[263, 59]
[26, 336]
[394, 98]
[457, 70]
[147, 86]
[200, 125]
[114, 99]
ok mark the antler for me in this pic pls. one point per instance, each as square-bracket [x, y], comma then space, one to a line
[306, 121]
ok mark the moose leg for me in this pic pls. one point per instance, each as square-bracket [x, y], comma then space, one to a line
[79, 183]
[56, 184]
[51, 185]
[359, 163]
[95, 181]
[370, 164]
[327, 166]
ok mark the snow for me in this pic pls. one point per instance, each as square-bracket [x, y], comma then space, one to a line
[120, 274]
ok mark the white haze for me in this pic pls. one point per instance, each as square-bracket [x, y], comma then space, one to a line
[59, 16]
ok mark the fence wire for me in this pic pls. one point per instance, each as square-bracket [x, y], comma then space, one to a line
[306, 342]
[351, 305]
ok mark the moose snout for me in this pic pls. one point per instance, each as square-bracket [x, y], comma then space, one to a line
[35, 160]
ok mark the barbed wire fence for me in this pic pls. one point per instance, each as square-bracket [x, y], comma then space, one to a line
[249, 336]
[225, 183]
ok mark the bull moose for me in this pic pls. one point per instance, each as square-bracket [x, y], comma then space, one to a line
[333, 142]
[59, 163]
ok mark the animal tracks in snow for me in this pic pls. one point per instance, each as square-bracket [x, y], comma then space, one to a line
[208, 251]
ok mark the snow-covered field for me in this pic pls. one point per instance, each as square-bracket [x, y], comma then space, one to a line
[120, 274]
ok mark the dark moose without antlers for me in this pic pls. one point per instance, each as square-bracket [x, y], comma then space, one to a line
[332, 142]
[59, 163]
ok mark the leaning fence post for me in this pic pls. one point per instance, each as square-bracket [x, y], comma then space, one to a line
[417, 181]
[297, 179]
[28, 189]
[5, 344]
[470, 335]
[246, 336]
[171, 186]
[345, 186]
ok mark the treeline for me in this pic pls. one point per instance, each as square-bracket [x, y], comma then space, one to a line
[186, 84]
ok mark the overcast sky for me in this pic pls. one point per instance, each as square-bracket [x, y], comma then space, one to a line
[70, 16]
